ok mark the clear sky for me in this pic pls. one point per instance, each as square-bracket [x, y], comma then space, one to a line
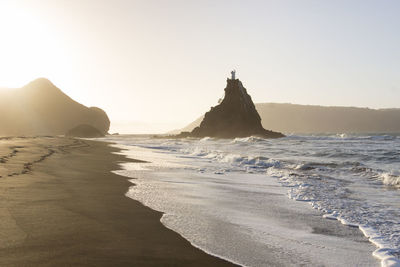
[163, 63]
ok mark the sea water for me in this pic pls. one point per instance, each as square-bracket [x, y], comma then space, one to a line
[201, 183]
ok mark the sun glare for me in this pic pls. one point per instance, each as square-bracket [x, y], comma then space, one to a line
[26, 48]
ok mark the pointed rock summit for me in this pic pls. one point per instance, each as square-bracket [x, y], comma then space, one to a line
[235, 116]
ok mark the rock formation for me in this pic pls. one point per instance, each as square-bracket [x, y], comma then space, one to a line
[235, 116]
[40, 108]
[84, 130]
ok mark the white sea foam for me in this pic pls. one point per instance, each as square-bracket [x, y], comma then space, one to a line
[390, 178]
[251, 139]
[348, 178]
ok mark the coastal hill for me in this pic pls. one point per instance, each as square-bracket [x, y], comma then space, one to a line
[40, 108]
[85, 131]
[235, 116]
[309, 119]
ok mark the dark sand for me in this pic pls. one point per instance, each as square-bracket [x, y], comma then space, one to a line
[61, 206]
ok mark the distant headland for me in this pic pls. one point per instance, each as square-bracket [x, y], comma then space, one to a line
[312, 119]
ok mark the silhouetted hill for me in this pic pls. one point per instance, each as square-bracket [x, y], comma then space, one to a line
[291, 118]
[235, 116]
[40, 108]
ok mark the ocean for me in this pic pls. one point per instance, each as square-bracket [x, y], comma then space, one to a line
[250, 199]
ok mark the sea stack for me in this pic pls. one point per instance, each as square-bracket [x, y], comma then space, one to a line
[235, 116]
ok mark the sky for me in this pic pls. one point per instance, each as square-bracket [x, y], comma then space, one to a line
[154, 66]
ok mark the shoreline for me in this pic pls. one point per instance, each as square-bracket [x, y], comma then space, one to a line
[62, 205]
[319, 234]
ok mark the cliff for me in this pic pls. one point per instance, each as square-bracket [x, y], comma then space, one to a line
[40, 108]
[235, 116]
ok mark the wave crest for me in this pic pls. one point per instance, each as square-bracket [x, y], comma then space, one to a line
[390, 179]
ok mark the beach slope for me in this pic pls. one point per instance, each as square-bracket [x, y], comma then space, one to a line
[61, 206]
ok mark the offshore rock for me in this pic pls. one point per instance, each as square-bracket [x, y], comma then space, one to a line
[235, 116]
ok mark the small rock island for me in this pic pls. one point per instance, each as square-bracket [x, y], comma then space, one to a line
[235, 116]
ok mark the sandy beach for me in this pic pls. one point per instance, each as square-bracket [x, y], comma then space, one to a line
[61, 206]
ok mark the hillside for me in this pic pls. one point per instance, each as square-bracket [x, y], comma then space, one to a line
[40, 108]
[292, 118]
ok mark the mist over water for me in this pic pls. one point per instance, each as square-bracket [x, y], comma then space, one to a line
[352, 178]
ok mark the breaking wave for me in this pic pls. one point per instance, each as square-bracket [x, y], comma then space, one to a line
[352, 179]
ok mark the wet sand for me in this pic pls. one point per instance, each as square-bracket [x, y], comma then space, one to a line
[61, 206]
